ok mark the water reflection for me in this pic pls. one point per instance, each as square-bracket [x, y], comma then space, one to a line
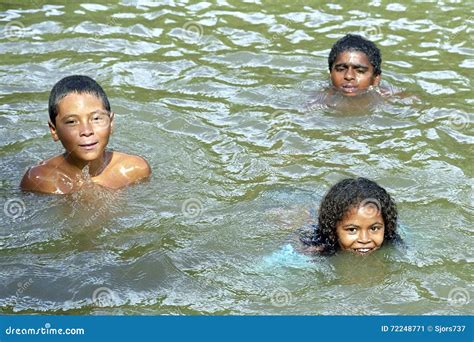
[214, 96]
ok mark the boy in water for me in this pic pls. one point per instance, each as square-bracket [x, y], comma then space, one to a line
[80, 117]
[354, 65]
[355, 69]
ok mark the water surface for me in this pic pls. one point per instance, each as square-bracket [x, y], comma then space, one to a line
[215, 95]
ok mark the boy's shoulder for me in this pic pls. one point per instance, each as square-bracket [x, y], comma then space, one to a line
[125, 168]
[53, 175]
[45, 177]
[130, 160]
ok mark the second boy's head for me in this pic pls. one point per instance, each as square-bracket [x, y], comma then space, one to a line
[354, 64]
[80, 118]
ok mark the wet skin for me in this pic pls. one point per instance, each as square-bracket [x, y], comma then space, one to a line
[352, 73]
[361, 231]
[83, 126]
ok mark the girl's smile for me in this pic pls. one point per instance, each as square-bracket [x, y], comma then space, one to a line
[361, 231]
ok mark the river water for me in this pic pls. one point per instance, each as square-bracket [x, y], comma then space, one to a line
[215, 96]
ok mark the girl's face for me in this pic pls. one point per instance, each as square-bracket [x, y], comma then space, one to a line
[361, 230]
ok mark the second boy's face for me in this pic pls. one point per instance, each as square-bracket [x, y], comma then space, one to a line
[352, 73]
[361, 230]
[83, 126]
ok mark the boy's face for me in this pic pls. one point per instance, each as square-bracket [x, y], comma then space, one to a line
[352, 73]
[83, 126]
[361, 231]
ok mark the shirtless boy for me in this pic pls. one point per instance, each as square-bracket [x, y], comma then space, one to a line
[81, 119]
[354, 65]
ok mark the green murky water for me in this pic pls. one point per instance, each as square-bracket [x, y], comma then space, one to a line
[214, 95]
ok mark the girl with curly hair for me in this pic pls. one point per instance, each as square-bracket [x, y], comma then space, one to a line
[356, 215]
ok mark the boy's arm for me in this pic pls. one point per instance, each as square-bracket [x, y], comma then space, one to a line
[36, 179]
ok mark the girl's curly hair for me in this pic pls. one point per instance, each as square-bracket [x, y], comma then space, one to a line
[343, 196]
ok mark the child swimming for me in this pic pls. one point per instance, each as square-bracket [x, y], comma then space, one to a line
[354, 65]
[355, 72]
[81, 119]
[356, 215]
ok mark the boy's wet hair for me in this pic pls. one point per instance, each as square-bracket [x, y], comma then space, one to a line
[74, 84]
[342, 197]
[354, 42]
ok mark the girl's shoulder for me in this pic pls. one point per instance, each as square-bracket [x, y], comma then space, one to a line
[308, 240]
[307, 234]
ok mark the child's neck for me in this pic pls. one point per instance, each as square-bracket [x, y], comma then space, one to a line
[95, 167]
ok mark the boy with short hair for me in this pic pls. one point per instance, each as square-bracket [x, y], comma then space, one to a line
[354, 65]
[80, 117]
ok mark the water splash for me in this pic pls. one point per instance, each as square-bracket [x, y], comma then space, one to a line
[92, 202]
[85, 177]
